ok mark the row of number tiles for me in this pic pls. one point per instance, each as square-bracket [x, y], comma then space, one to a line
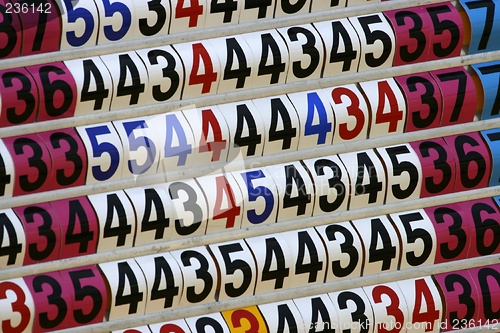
[229, 132]
[99, 223]
[108, 151]
[221, 65]
[240, 199]
[79, 296]
[427, 304]
[36, 26]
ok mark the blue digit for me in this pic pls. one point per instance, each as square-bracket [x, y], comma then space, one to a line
[254, 193]
[484, 25]
[73, 16]
[184, 148]
[109, 10]
[314, 103]
[489, 74]
[492, 138]
[100, 148]
[137, 142]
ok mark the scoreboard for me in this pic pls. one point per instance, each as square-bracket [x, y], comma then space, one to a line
[177, 166]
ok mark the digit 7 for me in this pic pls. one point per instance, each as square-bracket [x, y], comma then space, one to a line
[491, 106]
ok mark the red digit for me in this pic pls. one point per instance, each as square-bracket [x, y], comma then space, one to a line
[392, 310]
[395, 114]
[423, 293]
[18, 306]
[352, 110]
[230, 213]
[193, 11]
[209, 76]
[208, 121]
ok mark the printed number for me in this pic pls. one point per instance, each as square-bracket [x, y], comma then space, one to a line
[72, 156]
[9, 233]
[208, 77]
[55, 87]
[26, 97]
[227, 7]
[234, 265]
[74, 14]
[7, 29]
[35, 161]
[243, 70]
[163, 269]
[393, 309]
[161, 18]
[18, 306]
[335, 182]
[123, 228]
[387, 252]
[244, 116]
[254, 193]
[91, 73]
[191, 204]
[342, 38]
[441, 27]
[400, 167]
[374, 186]
[281, 272]
[100, 148]
[261, 5]
[136, 88]
[202, 273]
[135, 296]
[270, 46]
[111, 8]
[308, 48]
[316, 109]
[168, 72]
[193, 11]
[372, 37]
[347, 247]
[353, 110]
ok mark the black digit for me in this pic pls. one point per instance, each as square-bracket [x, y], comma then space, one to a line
[54, 299]
[227, 7]
[190, 205]
[4, 177]
[8, 232]
[466, 159]
[91, 72]
[488, 20]
[163, 269]
[202, 273]
[491, 69]
[314, 265]
[308, 48]
[318, 308]
[77, 214]
[440, 27]
[71, 156]
[269, 44]
[24, 94]
[87, 291]
[388, 251]
[52, 87]
[204, 322]
[461, 77]
[261, 4]
[365, 164]
[124, 228]
[426, 98]
[289, 8]
[303, 198]
[415, 32]
[372, 37]
[161, 13]
[162, 222]
[439, 164]
[349, 54]
[7, 29]
[286, 319]
[233, 266]
[44, 230]
[413, 234]
[278, 109]
[126, 274]
[274, 250]
[34, 161]
[135, 89]
[398, 168]
[483, 226]
[242, 71]
[346, 247]
[482, 276]
[167, 72]
[334, 183]
[40, 26]
[454, 230]
[464, 298]
[245, 117]
[359, 314]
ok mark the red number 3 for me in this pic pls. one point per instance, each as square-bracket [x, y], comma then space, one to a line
[18, 306]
